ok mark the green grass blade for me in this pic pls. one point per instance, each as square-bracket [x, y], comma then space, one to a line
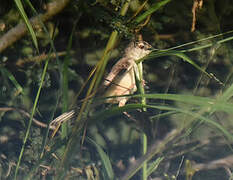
[194, 100]
[199, 116]
[46, 134]
[27, 22]
[154, 165]
[91, 90]
[203, 102]
[44, 27]
[65, 81]
[12, 79]
[227, 94]
[209, 44]
[207, 105]
[187, 59]
[202, 40]
[158, 149]
[178, 54]
[154, 7]
[104, 158]
[153, 150]
[30, 121]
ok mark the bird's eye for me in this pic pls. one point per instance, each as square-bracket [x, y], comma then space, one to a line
[141, 46]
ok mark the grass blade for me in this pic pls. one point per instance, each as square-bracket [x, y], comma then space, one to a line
[154, 165]
[13, 80]
[154, 7]
[27, 22]
[30, 121]
[104, 158]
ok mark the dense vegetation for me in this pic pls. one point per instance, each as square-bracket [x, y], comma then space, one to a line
[54, 55]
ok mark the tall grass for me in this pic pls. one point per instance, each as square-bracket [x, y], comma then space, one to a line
[193, 109]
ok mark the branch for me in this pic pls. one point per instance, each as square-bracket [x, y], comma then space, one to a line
[224, 162]
[20, 30]
[52, 125]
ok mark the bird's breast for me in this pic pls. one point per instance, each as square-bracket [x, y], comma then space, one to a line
[122, 85]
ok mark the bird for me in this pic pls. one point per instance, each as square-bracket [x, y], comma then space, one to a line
[121, 79]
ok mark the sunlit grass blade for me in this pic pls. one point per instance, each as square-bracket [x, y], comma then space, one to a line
[201, 41]
[202, 102]
[205, 106]
[27, 22]
[78, 126]
[193, 116]
[209, 44]
[227, 94]
[154, 7]
[139, 9]
[175, 53]
[183, 56]
[79, 123]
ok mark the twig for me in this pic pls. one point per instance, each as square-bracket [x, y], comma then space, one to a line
[37, 59]
[20, 30]
[62, 118]
[224, 162]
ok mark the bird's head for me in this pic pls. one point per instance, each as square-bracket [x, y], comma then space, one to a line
[137, 50]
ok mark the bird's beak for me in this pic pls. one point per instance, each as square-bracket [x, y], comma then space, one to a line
[153, 49]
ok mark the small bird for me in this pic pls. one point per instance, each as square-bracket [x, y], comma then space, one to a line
[121, 79]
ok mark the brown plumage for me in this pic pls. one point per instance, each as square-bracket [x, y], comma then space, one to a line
[118, 83]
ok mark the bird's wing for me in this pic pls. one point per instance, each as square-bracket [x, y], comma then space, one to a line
[123, 64]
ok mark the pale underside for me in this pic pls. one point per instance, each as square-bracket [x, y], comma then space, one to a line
[123, 84]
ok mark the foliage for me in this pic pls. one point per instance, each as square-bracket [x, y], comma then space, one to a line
[60, 63]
